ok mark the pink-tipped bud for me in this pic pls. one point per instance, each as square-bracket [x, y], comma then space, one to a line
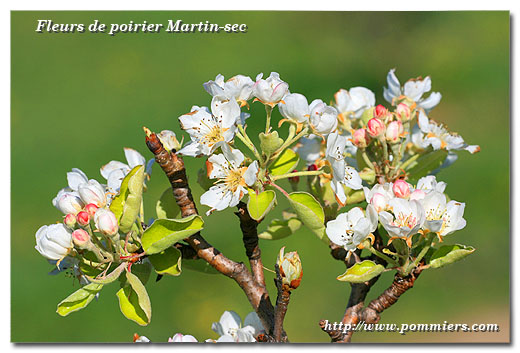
[106, 222]
[394, 130]
[403, 112]
[375, 127]
[70, 220]
[83, 218]
[417, 195]
[361, 138]
[380, 112]
[91, 209]
[312, 167]
[379, 202]
[294, 179]
[80, 238]
[401, 188]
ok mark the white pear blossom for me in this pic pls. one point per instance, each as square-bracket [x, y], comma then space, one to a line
[295, 106]
[355, 101]
[115, 171]
[141, 339]
[351, 228]
[406, 219]
[180, 338]
[68, 200]
[309, 148]
[323, 118]
[380, 196]
[233, 179]
[271, 90]
[441, 217]
[230, 327]
[429, 183]
[210, 130]
[413, 89]
[437, 136]
[54, 241]
[238, 87]
[93, 192]
[342, 174]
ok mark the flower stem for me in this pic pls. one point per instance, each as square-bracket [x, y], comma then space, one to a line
[367, 160]
[280, 189]
[383, 256]
[268, 111]
[247, 141]
[289, 141]
[409, 161]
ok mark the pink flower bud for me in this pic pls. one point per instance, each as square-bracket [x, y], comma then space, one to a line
[380, 111]
[403, 111]
[394, 131]
[83, 218]
[106, 221]
[417, 195]
[294, 179]
[379, 202]
[376, 127]
[80, 238]
[401, 188]
[91, 209]
[361, 138]
[70, 220]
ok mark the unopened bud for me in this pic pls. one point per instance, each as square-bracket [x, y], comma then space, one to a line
[312, 167]
[106, 222]
[83, 218]
[361, 138]
[91, 209]
[417, 195]
[401, 188]
[403, 112]
[380, 112]
[169, 140]
[290, 268]
[93, 192]
[70, 220]
[394, 130]
[294, 179]
[80, 238]
[379, 202]
[375, 127]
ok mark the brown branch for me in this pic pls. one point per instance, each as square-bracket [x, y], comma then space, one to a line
[282, 302]
[250, 239]
[173, 167]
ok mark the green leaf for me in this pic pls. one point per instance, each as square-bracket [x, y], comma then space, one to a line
[259, 205]
[79, 299]
[310, 212]
[198, 265]
[111, 277]
[270, 142]
[163, 233]
[142, 270]
[448, 254]
[286, 163]
[361, 272]
[127, 204]
[166, 207]
[167, 262]
[134, 301]
[425, 164]
[279, 229]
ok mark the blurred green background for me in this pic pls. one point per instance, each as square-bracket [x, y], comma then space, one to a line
[78, 99]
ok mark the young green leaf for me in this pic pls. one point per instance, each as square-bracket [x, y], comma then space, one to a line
[79, 299]
[167, 262]
[134, 301]
[259, 205]
[310, 212]
[166, 207]
[286, 163]
[270, 142]
[111, 277]
[361, 272]
[279, 229]
[198, 265]
[163, 233]
[424, 165]
[127, 203]
[448, 254]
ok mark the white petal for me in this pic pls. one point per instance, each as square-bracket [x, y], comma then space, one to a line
[352, 178]
[133, 157]
[111, 166]
[75, 178]
[253, 320]
[251, 173]
[230, 320]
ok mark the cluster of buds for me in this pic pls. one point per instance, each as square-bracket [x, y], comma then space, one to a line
[384, 125]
